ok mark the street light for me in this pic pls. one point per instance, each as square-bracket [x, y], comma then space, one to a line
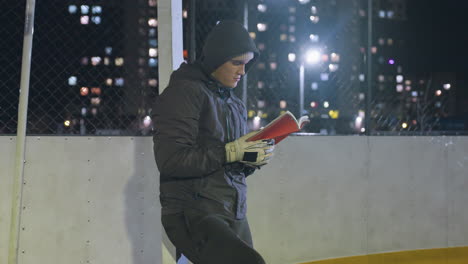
[312, 57]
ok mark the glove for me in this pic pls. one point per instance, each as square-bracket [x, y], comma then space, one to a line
[253, 153]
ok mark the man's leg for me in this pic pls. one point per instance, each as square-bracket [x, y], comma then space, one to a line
[177, 232]
[220, 244]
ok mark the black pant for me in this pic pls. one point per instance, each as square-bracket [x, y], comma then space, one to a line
[211, 239]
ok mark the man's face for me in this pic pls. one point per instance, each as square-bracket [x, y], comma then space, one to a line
[230, 73]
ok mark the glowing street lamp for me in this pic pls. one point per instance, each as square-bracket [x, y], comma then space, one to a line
[312, 57]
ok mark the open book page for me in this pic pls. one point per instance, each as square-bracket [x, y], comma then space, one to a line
[280, 128]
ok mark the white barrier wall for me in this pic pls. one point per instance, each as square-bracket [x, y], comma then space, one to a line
[85, 200]
[95, 199]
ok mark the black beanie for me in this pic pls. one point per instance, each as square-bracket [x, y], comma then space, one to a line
[226, 40]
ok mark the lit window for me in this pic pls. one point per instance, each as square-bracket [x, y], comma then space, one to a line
[273, 66]
[95, 61]
[184, 13]
[408, 88]
[381, 41]
[283, 104]
[84, 61]
[292, 57]
[96, 9]
[292, 29]
[152, 3]
[108, 50]
[72, 9]
[95, 100]
[324, 76]
[414, 93]
[260, 103]
[283, 37]
[292, 38]
[438, 93]
[108, 81]
[262, 8]
[152, 32]
[381, 78]
[447, 86]
[119, 81]
[362, 96]
[382, 14]
[399, 78]
[96, 91]
[253, 35]
[261, 27]
[399, 88]
[313, 104]
[152, 52]
[333, 67]
[72, 80]
[390, 14]
[326, 104]
[106, 61]
[152, 62]
[260, 85]
[408, 82]
[325, 57]
[292, 9]
[119, 61]
[84, 9]
[390, 42]
[153, 43]
[374, 50]
[438, 104]
[391, 61]
[304, 1]
[96, 20]
[334, 57]
[314, 37]
[362, 12]
[313, 9]
[362, 77]
[153, 82]
[84, 91]
[404, 125]
[314, 86]
[83, 111]
[261, 66]
[94, 111]
[292, 19]
[84, 20]
[314, 19]
[152, 22]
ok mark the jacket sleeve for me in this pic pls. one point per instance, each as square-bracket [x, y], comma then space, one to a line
[176, 120]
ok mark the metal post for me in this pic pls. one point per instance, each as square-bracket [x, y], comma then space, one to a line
[192, 40]
[301, 89]
[170, 40]
[21, 134]
[369, 68]
[246, 25]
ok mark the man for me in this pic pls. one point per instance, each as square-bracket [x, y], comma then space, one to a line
[203, 155]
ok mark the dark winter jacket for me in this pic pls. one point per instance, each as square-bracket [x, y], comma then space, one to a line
[194, 118]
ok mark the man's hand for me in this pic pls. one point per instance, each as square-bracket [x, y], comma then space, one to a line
[254, 153]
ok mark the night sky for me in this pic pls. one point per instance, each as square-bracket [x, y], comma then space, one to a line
[439, 29]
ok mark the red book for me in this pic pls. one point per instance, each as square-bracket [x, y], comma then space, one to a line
[281, 127]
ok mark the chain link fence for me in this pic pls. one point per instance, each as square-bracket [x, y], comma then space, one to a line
[94, 66]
